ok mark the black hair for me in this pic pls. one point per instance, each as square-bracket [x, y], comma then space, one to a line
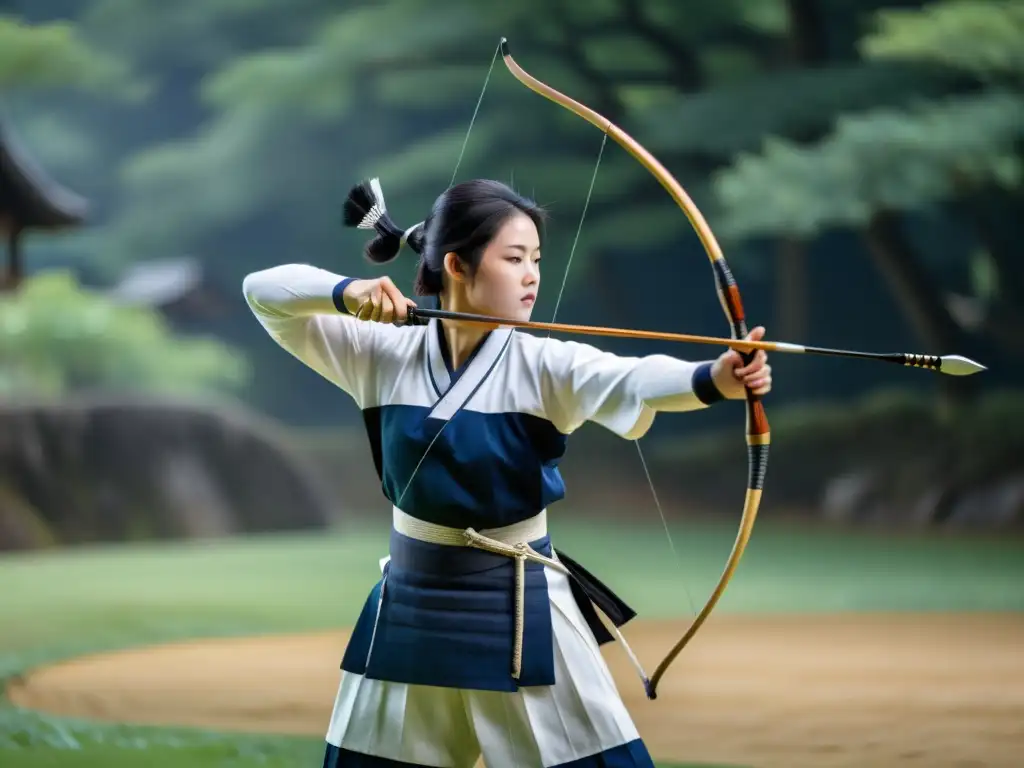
[464, 219]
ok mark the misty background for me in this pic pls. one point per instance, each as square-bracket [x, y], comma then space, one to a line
[860, 162]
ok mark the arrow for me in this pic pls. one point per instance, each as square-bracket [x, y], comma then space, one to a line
[953, 365]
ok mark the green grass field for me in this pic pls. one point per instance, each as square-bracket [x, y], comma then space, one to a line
[62, 604]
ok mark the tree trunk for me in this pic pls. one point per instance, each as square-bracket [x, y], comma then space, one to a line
[808, 41]
[807, 47]
[791, 307]
[988, 216]
[12, 276]
[684, 63]
[918, 298]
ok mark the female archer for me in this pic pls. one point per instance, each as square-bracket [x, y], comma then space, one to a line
[480, 637]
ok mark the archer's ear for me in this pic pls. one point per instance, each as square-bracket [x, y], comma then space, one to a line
[453, 267]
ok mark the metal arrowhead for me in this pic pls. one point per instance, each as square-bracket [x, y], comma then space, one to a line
[958, 365]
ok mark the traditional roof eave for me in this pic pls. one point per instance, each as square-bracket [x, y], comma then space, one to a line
[29, 197]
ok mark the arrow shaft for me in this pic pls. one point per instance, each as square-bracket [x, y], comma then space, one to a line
[629, 333]
[595, 330]
[951, 364]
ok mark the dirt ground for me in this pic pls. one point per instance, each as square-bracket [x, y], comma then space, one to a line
[773, 692]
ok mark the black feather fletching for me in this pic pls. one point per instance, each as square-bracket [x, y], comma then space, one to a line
[358, 203]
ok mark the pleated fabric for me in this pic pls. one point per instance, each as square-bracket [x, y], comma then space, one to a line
[580, 721]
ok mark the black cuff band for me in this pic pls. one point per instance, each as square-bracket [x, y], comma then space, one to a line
[338, 295]
[704, 386]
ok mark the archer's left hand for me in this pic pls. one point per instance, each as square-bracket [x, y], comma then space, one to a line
[731, 376]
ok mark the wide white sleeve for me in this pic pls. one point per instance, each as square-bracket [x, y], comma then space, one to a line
[580, 383]
[301, 308]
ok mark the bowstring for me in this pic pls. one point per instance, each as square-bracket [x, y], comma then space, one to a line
[636, 441]
[554, 315]
[476, 111]
[465, 142]
[579, 228]
[455, 173]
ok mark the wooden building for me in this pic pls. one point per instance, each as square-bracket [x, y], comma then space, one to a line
[30, 200]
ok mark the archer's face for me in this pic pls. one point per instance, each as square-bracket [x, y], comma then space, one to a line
[507, 278]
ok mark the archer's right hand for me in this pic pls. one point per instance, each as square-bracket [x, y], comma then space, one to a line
[378, 300]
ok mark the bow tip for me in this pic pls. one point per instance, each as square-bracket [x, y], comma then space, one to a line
[652, 694]
[504, 47]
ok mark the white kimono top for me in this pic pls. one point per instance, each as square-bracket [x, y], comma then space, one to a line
[496, 429]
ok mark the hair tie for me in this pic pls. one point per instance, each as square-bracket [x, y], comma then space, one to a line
[409, 231]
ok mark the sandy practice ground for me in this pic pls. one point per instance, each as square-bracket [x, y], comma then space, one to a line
[801, 692]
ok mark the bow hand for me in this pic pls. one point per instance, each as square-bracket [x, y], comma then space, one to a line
[735, 372]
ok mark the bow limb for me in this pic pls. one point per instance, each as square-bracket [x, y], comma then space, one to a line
[758, 433]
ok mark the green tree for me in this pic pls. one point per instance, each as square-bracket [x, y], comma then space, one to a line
[389, 89]
[986, 41]
[54, 55]
[877, 165]
[57, 338]
[261, 115]
[47, 71]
